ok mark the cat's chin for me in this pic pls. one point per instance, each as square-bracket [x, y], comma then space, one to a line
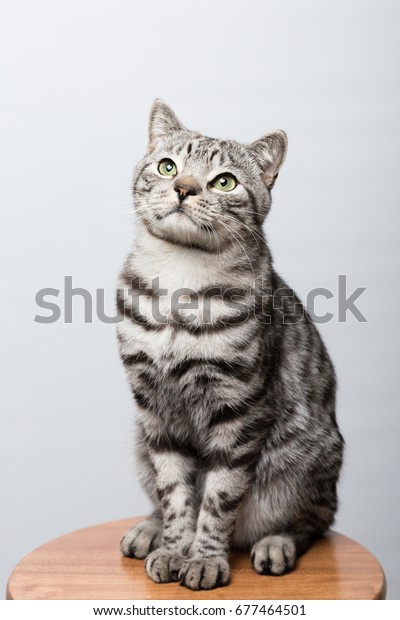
[179, 219]
[180, 229]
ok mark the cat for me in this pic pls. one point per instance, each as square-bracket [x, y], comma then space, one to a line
[237, 442]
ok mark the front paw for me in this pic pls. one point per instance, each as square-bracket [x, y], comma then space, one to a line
[141, 538]
[163, 565]
[204, 573]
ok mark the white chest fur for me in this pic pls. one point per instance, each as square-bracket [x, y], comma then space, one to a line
[179, 273]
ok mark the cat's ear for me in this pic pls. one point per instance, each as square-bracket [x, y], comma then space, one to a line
[162, 122]
[270, 152]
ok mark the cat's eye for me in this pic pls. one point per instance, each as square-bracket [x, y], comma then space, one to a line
[225, 182]
[167, 168]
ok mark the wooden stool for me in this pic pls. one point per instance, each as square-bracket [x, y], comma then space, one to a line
[87, 564]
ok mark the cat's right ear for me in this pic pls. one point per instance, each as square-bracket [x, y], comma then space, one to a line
[162, 122]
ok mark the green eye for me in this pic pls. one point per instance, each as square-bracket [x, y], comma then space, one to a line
[225, 182]
[167, 168]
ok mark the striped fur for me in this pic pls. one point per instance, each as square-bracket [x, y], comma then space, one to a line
[237, 441]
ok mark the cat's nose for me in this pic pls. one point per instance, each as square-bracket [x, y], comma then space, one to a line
[187, 186]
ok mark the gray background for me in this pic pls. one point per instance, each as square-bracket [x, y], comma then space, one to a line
[77, 82]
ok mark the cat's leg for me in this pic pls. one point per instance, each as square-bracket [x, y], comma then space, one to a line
[292, 501]
[174, 476]
[280, 522]
[144, 537]
[207, 565]
[233, 446]
[168, 477]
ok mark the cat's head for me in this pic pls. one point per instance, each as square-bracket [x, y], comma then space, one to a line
[200, 191]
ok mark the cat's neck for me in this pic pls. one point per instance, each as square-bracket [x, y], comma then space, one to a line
[179, 266]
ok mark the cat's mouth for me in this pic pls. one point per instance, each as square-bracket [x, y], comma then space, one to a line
[180, 226]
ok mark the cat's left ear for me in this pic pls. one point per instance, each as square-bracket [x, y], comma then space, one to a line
[270, 152]
[162, 122]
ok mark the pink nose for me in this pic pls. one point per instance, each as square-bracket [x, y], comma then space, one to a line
[187, 186]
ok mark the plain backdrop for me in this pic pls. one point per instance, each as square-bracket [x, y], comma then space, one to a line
[77, 81]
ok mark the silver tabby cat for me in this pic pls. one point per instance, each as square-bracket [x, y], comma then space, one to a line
[237, 441]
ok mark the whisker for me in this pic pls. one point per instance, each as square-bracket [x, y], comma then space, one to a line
[213, 233]
[231, 231]
[110, 206]
[112, 189]
[115, 215]
[254, 234]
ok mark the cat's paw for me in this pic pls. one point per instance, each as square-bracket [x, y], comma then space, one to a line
[163, 565]
[141, 539]
[199, 573]
[274, 555]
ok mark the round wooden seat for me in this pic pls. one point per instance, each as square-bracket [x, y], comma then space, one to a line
[87, 564]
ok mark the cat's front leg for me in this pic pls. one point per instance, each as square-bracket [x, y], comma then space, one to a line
[174, 473]
[207, 566]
